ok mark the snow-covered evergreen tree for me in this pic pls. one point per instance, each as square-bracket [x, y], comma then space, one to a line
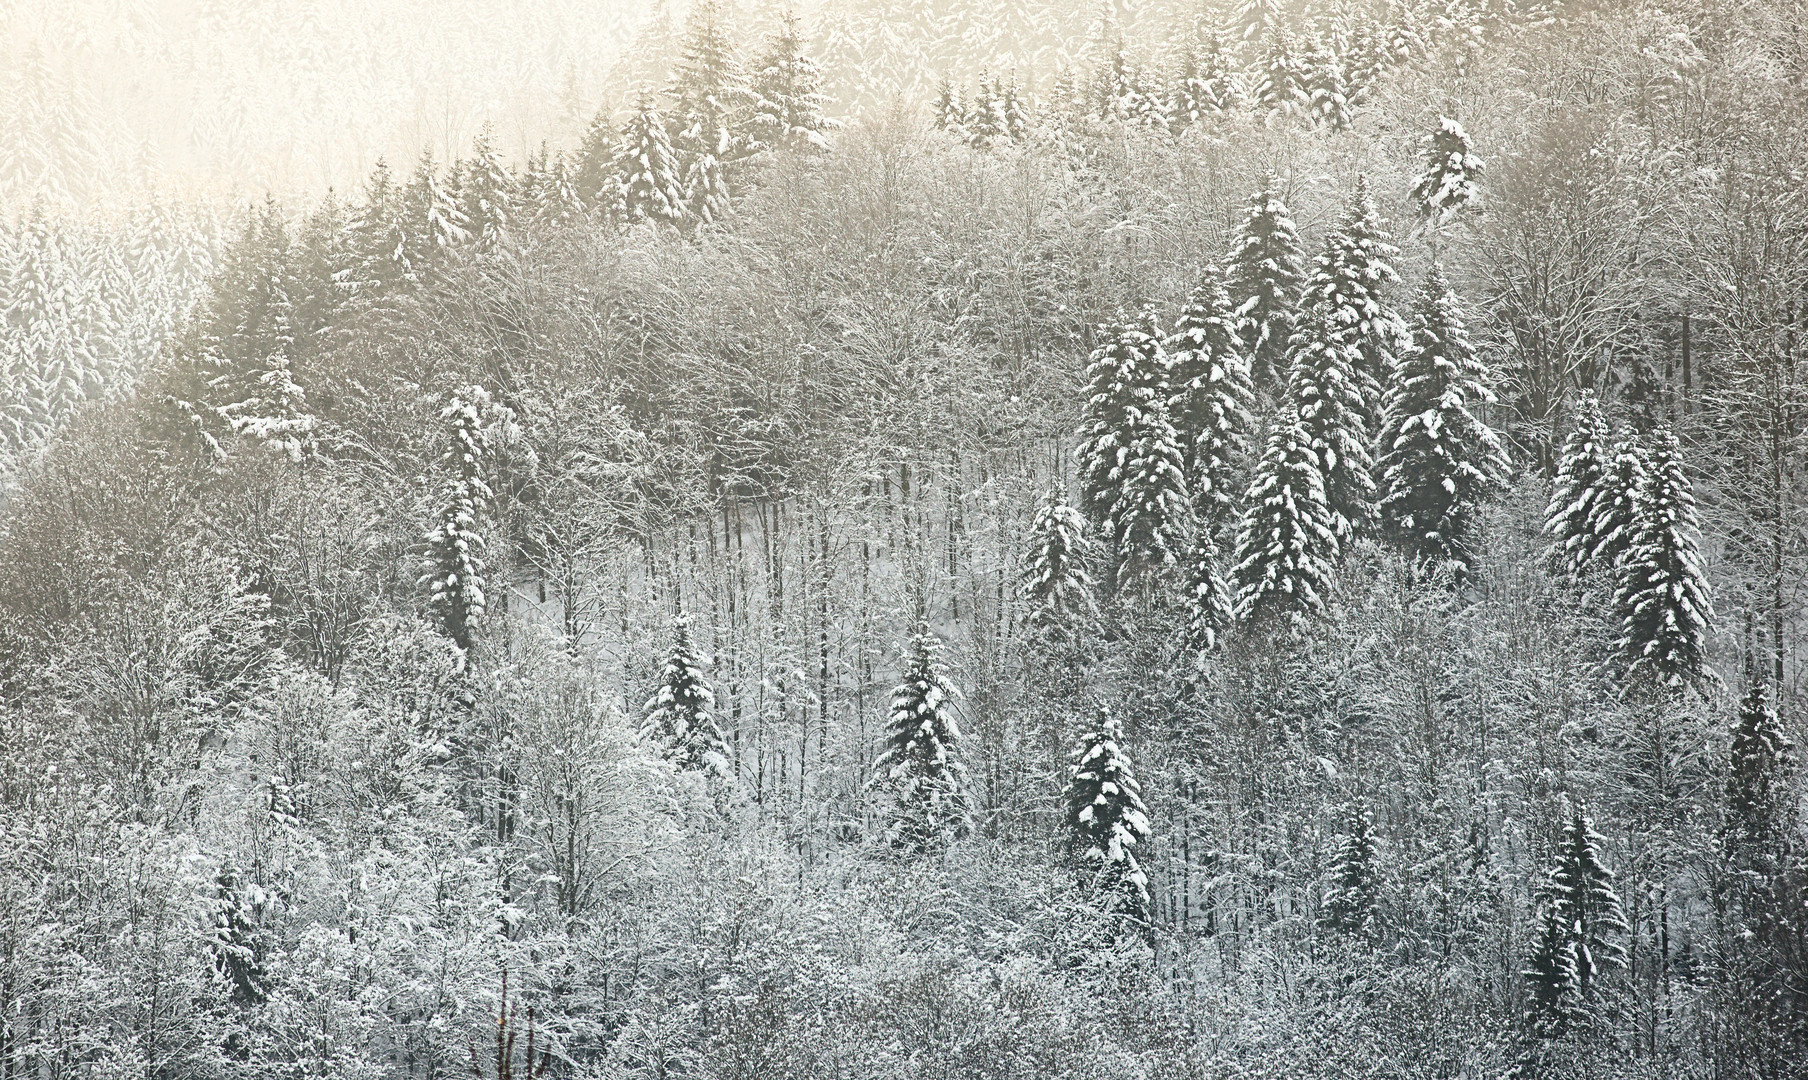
[1586, 458]
[1205, 86]
[1757, 783]
[648, 184]
[1450, 184]
[455, 545]
[920, 766]
[1286, 544]
[1121, 91]
[1661, 593]
[549, 190]
[1327, 391]
[950, 109]
[1056, 582]
[1348, 284]
[1582, 927]
[787, 93]
[1132, 465]
[435, 225]
[1211, 607]
[987, 124]
[1613, 507]
[487, 192]
[1439, 461]
[1108, 820]
[1017, 118]
[1285, 86]
[1212, 396]
[1328, 92]
[711, 109]
[236, 952]
[680, 718]
[1264, 276]
[1355, 892]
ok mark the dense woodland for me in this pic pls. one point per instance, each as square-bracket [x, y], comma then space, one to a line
[1274, 548]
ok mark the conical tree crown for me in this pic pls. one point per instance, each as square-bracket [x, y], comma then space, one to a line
[648, 183]
[455, 545]
[1581, 889]
[1355, 891]
[1348, 284]
[681, 713]
[1286, 544]
[920, 763]
[1265, 268]
[1212, 395]
[1661, 590]
[1055, 580]
[1761, 757]
[1326, 390]
[1613, 507]
[1211, 606]
[1450, 184]
[1107, 817]
[1586, 458]
[787, 93]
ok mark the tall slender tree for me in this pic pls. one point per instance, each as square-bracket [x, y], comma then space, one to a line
[788, 97]
[455, 574]
[1347, 288]
[920, 766]
[1212, 397]
[647, 185]
[1265, 270]
[1287, 545]
[1326, 390]
[1055, 580]
[1586, 458]
[1355, 893]
[1108, 820]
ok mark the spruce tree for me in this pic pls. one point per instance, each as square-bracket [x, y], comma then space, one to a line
[987, 126]
[1581, 931]
[595, 179]
[1326, 390]
[1285, 86]
[1757, 785]
[920, 766]
[236, 954]
[711, 108]
[1017, 118]
[1347, 288]
[1286, 543]
[1613, 517]
[1450, 184]
[1661, 594]
[435, 224]
[1108, 820]
[487, 193]
[455, 544]
[950, 109]
[787, 93]
[1211, 607]
[1439, 462]
[1055, 580]
[1132, 467]
[1205, 86]
[647, 185]
[1264, 279]
[1586, 458]
[1212, 396]
[1328, 92]
[1350, 904]
[680, 715]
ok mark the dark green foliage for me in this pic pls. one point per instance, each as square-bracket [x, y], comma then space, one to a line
[920, 766]
[1265, 268]
[680, 718]
[1108, 820]
[1354, 895]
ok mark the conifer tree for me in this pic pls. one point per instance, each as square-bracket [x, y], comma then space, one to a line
[711, 108]
[1351, 902]
[787, 93]
[680, 715]
[1285, 87]
[1326, 390]
[1757, 788]
[1328, 92]
[455, 545]
[1017, 118]
[1661, 593]
[1613, 507]
[235, 948]
[987, 126]
[1108, 820]
[1586, 458]
[1132, 466]
[1264, 281]
[435, 223]
[595, 179]
[1056, 581]
[1204, 87]
[1439, 462]
[549, 190]
[379, 241]
[950, 109]
[1450, 184]
[920, 765]
[1347, 287]
[1286, 544]
[1581, 931]
[1212, 396]
[647, 184]
[1211, 607]
[486, 193]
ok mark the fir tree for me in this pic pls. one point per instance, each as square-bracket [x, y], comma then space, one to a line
[379, 241]
[1211, 608]
[596, 180]
[920, 764]
[950, 109]
[1439, 462]
[680, 718]
[435, 223]
[1581, 931]
[236, 954]
[1450, 184]
[1132, 467]
[1661, 593]
[1757, 786]
[1212, 395]
[1585, 461]
[647, 184]
[787, 93]
[1328, 93]
[1017, 118]
[486, 193]
[1351, 902]
[1264, 282]
[549, 190]
[987, 126]
[1613, 518]
[1204, 87]
[455, 545]
[1108, 820]
[1286, 544]
[1055, 581]
[1285, 88]
[1347, 287]
[710, 112]
[1326, 390]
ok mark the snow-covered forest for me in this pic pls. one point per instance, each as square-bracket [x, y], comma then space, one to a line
[904, 540]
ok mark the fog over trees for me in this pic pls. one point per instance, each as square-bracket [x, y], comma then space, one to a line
[896, 540]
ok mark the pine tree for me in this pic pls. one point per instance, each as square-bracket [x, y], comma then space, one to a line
[1108, 820]
[1450, 184]
[1132, 467]
[1326, 390]
[1355, 893]
[1582, 928]
[920, 764]
[1439, 462]
[1586, 459]
[455, 545]
[1661, 593]
[787, 93]
[1286, 544]
[1055, 581]
[647, 184]
[1211, 608]
[1347, 284]
[1264, 282]
[680, 718]
[1212, 395]
[1613, 511]
[711, 109]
